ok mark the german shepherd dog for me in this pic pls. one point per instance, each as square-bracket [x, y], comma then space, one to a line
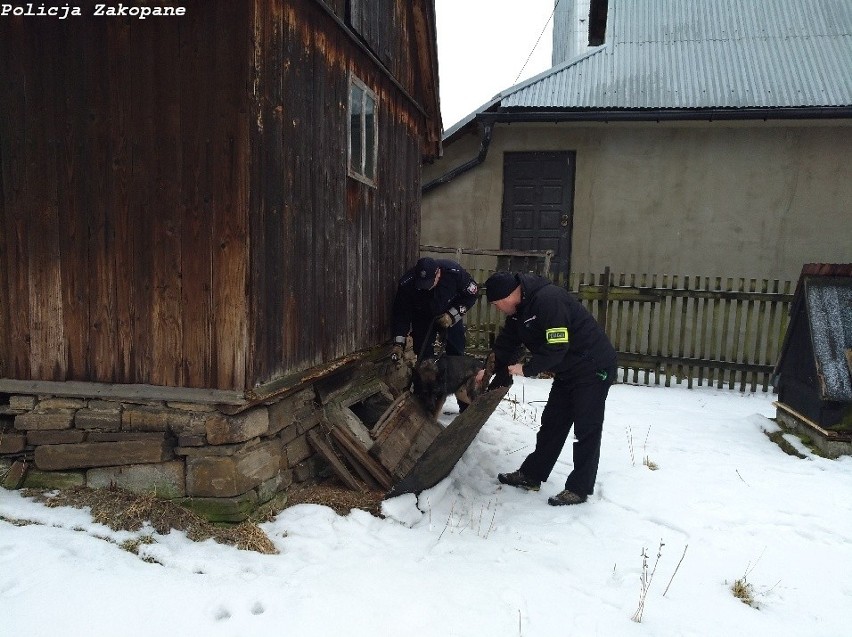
[436, 378]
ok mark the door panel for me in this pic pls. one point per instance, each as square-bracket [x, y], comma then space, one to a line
[538, 204]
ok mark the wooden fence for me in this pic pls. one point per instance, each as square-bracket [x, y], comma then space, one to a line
[701, 330]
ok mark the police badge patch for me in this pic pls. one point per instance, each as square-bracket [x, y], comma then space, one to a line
[472, 288]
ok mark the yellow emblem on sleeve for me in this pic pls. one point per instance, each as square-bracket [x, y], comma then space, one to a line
[557, 335]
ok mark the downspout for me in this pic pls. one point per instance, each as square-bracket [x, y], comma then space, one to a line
[455, 172]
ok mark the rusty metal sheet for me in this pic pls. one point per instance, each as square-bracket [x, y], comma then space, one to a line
[448, 446]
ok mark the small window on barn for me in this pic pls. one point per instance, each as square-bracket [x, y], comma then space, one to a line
[362, 132]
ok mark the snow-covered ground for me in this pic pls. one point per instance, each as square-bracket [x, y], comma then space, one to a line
[472, 557]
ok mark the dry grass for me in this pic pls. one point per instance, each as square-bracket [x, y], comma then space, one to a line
[338, 498]
[744, 592]
[124, 511]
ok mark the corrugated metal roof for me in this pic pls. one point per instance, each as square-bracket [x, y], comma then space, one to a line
[697, 54]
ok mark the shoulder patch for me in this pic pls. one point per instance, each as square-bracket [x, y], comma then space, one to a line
[556, 335]
[472, 288]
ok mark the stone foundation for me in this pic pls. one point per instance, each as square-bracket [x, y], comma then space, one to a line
[830, 447]
[222, 466]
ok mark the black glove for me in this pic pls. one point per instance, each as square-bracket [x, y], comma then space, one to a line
[502, 378]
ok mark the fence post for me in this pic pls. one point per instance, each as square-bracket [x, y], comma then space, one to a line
[603, 312]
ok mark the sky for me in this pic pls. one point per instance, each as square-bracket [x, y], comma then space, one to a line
[688, 478]
[482, 47]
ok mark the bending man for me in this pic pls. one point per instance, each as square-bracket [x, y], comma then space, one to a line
[566, 340]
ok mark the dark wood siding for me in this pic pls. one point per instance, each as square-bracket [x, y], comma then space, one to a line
[175, 203]
[124, 150]
[327, 249]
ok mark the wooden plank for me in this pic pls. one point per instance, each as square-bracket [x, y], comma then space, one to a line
[661, 319]
[681, 333]
[653, 294]
[749, 347]
[81, 110]
[670, 322]
[365, 475]
[324, 449]
[445, 451]
[347, 440]
[197, 120]
[651, 361]
[651, 324]
[15, 103]
[829, 435]
[604, 305]
[230, 163]
[421, 439]
[618, 315]
[406, 434]
[384, 424]
[117, 199]
[693, 344]
[736, 352]
[47, 343]
[643, 333]
[119, 392]
[166, 316]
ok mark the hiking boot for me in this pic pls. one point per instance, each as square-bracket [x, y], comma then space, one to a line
[518, 479]
[565, 497]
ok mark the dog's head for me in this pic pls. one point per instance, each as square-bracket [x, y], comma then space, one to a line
[428, 385]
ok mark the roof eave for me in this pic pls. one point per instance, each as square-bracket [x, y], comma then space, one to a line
[666, 114]
[529, 116]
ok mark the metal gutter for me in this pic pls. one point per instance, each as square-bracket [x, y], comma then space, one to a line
[488, 119]
[667, 114]
[455, 172]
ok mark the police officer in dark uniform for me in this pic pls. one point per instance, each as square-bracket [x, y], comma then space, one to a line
[563, 338]
[435, 293]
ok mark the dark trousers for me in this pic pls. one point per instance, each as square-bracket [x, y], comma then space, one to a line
[455, 338]
[579, 402]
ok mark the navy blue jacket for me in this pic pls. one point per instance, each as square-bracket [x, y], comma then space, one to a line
[455, 289]
[562, 336]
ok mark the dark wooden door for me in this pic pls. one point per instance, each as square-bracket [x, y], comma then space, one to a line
[538, 204]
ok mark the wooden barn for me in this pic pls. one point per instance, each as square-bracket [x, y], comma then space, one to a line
[814, 371]
[202, 221]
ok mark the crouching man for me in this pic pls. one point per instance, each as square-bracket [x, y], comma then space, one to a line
[566, 340]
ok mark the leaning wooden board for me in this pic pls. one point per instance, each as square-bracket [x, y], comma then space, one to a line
[448, 446]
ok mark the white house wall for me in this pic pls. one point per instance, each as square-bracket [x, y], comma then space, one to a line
[735, 199]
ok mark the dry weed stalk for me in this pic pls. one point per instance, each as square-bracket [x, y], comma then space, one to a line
[630, 446]
[645, 581]
[470, 520]
[676, 569]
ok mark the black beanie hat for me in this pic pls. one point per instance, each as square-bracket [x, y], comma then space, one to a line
[500, 285]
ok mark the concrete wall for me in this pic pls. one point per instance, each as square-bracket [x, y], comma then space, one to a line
[753, 199]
